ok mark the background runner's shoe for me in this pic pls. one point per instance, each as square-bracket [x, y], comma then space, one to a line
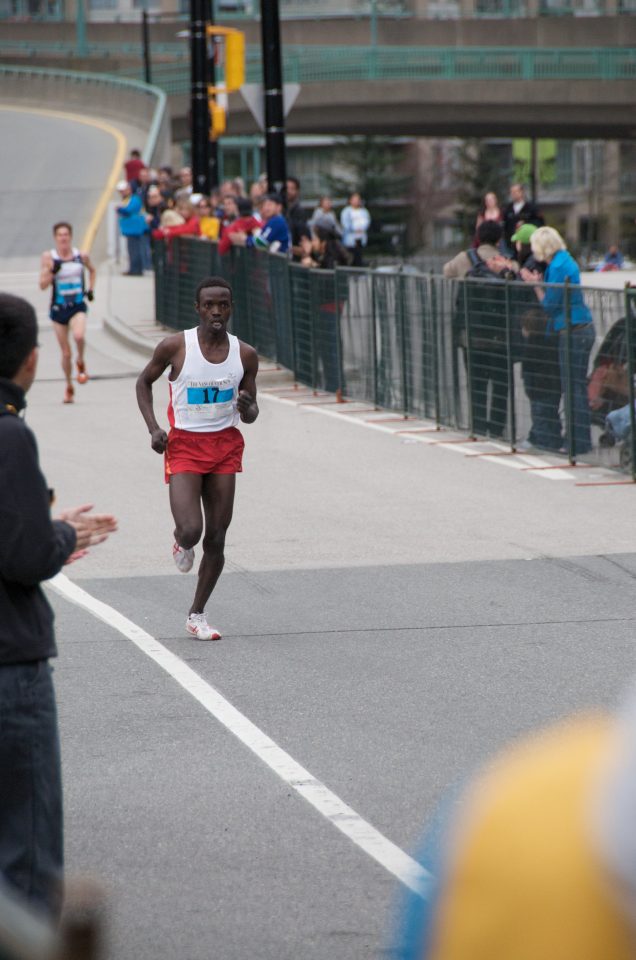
[198, 627]
[69, 394]
[82, 376]
[183, 558]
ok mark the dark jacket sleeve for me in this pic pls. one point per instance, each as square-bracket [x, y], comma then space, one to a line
[32, 546]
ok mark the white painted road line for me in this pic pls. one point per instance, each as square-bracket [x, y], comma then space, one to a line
[466, 447]
[327, 803]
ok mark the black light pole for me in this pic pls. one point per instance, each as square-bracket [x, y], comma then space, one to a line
[145, 40]
[213, 158]
[533, 170]
[273, 91]
[199, 111]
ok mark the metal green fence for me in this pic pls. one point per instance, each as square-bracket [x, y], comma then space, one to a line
[481, 356]
[320, 64]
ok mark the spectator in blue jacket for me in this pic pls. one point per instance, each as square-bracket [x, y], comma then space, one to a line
[133, 226]
[548, 246]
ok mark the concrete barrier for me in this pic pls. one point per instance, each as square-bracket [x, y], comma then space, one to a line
[98, 95]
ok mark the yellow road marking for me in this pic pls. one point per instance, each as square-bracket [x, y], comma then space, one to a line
[115, 173]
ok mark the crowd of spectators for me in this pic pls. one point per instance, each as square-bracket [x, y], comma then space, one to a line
[512, 242]
[162, 204]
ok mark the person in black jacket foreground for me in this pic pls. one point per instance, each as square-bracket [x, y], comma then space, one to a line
[33, 548]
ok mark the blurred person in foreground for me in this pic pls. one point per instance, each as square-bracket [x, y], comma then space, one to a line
[541, 860]
[549, 247]
[33, 548]
[62, 268]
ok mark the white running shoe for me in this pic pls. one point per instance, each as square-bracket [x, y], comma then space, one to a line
[198, 626]
[183, 558]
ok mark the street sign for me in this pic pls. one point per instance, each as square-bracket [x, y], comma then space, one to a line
[252, 93]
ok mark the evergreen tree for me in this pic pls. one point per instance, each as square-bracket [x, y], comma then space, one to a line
[371, 167]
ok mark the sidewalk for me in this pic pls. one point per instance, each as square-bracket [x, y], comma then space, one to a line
[129, 309]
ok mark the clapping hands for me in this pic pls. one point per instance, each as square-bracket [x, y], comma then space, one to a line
[90, 528]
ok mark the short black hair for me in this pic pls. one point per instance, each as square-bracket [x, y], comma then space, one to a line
[60, 225]
[18, 333]
[296, 181]
[489, 232]
[211, 282]
[276, 197]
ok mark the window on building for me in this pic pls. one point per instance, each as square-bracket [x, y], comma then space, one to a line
[628, 168]
[564, 165]
[500, 8]
[589, 229]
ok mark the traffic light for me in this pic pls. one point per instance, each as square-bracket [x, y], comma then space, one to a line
[232, 61]
[233, 58]
[217, 119]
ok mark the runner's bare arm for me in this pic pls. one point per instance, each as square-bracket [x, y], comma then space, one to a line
[46, 267]
[166, 354]
[246, 402]
[92, 272]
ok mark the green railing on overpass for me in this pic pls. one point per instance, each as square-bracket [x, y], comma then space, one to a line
[304, 9]
[174, 50]
[248, 10]
[318, 64]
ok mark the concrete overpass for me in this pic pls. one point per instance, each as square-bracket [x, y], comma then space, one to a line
[547, 76]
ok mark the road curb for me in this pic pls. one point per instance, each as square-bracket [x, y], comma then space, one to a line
[118, 329]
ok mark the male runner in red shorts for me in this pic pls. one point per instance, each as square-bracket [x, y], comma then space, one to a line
[62, 268]
[212, 385]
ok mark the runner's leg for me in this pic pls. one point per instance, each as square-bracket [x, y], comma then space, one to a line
[185, 503]
[78, 326]
[218, 503]
[61, 332]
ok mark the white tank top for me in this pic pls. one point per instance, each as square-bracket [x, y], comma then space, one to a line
[203, 396]
[68, 282]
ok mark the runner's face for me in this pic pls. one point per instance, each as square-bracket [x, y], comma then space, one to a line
[63, 240]
[214, 308]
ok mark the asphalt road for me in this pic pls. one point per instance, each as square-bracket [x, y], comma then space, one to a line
[392, 616]
[392, 613]
[52, 168]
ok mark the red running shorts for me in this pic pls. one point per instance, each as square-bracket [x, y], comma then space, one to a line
[216, 452]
